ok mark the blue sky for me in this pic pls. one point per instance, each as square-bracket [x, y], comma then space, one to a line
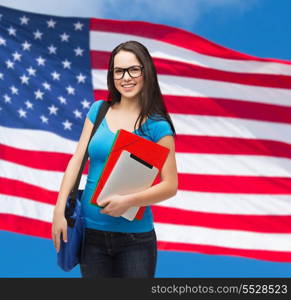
[256, 27]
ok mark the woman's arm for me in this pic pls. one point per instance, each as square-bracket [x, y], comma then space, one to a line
[59, 224]
[72, 169]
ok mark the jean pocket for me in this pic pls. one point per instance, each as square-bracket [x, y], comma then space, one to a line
[142, 236]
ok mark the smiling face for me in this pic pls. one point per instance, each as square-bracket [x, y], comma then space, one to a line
[127, 86]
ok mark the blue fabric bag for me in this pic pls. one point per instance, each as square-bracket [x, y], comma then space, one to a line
[70, 252]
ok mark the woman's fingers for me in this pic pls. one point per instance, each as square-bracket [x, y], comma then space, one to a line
[57, 241]
[65, 235]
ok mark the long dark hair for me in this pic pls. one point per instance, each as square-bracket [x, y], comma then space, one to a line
[151, 99]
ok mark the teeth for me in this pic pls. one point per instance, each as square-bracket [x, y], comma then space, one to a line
[129, 85]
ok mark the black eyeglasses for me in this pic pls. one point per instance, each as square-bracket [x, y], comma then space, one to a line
[133, 72]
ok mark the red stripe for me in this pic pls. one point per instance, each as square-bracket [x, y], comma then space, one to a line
[43, 160]
[100, 60]
[276, 256]
[43, 229]
[228, 108]
[234, 184]
[254, 223]
[226, 145]
[174, 36]
[25, 225]
[219, 107]
[28, 191]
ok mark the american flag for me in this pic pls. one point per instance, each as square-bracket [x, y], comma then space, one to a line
[231, 111]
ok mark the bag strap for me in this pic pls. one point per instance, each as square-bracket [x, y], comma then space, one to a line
[101, 114]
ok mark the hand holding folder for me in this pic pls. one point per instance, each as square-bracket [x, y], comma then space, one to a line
[132, 166]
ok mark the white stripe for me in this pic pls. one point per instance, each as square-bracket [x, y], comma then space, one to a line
[243, 165]
[231, 127]
[225, 203]
[184, 124]
[238, 165]
[50, 180]
[26, 208]
[193, 87]
[223, 238]
[36, 140]
[159, 49]
[167, 232]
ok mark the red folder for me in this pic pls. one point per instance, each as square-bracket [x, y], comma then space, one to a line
[149, 151]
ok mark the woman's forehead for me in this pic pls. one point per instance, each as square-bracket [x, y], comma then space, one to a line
[124, 59]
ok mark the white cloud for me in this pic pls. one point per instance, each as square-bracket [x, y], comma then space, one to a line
[179, 12]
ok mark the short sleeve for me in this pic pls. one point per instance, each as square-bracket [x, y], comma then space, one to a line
[94, 109]
[161, 129]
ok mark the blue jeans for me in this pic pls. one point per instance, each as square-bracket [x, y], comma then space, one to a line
[118, 254]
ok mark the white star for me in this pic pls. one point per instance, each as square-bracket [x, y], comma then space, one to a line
[46, 86]
[78, 26]
[38, 94]
[24, 20]
[24, 79]
[14, 90]
[37, 35]
[44, 119]
[10, 64]
[85, 103]
[2, 42]
[28, 104]
[56, 76]
[16, 56]
[79, 51]
[51, 23]
[67, 125]
[77, 114]
[1, 75]
[71, 90]
[62, 100]
[26, 46]
[1, 16]
[53, 110]
[67, 64]
[81, 78]
[7, 99]
[31, 71]
[40, 61]
[11, 31]
[22, 113]
[64, 37]
[52, 49]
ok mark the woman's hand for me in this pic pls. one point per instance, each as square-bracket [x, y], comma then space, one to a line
[59, 227]
[115, 205]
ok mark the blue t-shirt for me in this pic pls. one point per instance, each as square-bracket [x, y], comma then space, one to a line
[99, 147]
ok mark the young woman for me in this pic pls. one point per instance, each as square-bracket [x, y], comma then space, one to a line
[115, 246]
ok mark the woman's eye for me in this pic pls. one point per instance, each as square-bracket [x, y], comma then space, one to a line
[118, 71]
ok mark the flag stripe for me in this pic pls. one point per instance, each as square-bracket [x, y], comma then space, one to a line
[276, 256]
[179, 233]
[25, 225]
[100, 60]
[195, 87]
[207, 164]
[170, 36]
[267, 224]
[234, 184]
[223, 238]
[243, 204]
[11, 187]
